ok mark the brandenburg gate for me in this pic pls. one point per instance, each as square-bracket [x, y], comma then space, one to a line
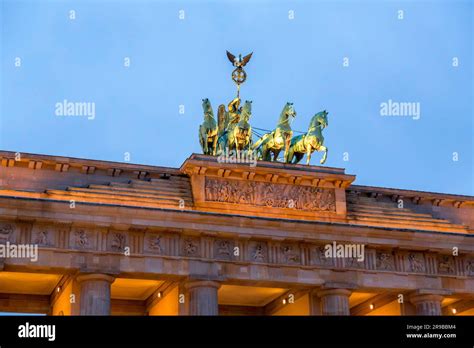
[213, 238]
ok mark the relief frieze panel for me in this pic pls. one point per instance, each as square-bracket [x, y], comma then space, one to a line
[270, 195]
[385, 261]
[43, 235]
[258, 251]
[354, 262]
[223, 249]
[445, 264]
[416, 262]
[6, 232]
[190, 247]
[469, 267]
[318, 257]
[82, 238]
[155, 244]
[291, 254]
[116, 241]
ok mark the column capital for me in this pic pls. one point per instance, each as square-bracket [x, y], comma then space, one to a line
[417, 298]
[338, 285]
[426, 303]
[339, 292]
[442, 292]
[94, 276]
[191, 284]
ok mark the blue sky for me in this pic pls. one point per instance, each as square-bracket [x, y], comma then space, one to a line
[177, 62]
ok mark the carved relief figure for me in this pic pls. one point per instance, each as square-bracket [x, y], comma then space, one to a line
[270, 194]
[290, 255]
[118, 241]
[42, 238]
[190, 247]
[5, 231]
[352, 262]
[154, 243]
[319, 257]
[416, 263]
[385, 261]
[223, 248]
[259, 253]
[82, 241]
[445, 264]
[469, 267]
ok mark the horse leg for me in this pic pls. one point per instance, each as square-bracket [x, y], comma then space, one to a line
[325, 149]
[206, 142]
[266, 155]
[308, 154]
[214, 145]
[287, 148]
[276, 153]
[201, 139]
[258, 153]
[249, 142]
[288, 155]
[219, 146]
[298, 157]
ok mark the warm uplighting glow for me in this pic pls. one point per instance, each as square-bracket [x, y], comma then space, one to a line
[134, 289]
[371, 306]
[454, 310]
[58, 289]
[159, 294]
[238, 295]
[284, 301]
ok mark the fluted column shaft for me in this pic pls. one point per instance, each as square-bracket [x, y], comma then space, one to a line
[335, 301]
[203, 298]
[95, 294]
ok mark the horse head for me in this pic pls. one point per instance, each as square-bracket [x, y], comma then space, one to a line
[206, 106]
[246, 111]
[287, 115]
[320, 120]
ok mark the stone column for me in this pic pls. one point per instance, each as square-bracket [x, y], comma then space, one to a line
[407, 308]
[427, 304]
[202, 297]
[335, 301]
[95, 293]
[314, 303]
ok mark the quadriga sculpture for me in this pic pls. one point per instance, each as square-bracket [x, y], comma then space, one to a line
[208, 130]
[240, 138]
[235, 132]
[312, 141]
[272, 143]
[226, 123]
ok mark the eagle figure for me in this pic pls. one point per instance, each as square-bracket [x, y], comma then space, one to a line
[238, 62]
